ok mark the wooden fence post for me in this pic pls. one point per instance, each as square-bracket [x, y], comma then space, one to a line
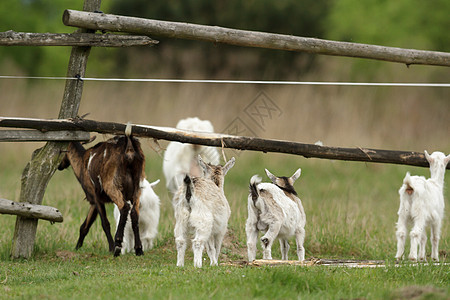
[44, 161]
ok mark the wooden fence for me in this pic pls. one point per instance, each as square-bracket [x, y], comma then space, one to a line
[42, 166]
[223, 140]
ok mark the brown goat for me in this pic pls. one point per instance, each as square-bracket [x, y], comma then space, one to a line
[109, 172]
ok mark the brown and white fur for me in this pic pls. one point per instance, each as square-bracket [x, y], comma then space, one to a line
[108, 172]
[275, 209]
[202, 208]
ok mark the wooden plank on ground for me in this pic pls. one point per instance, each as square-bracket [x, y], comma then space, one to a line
[317, 262]
[36, 136]
[348, 263]
[32, 211]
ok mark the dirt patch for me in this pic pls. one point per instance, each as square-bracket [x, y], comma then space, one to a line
[419, 292]
[231, 248]
[69, 255]
[66, 255]
[443, 254]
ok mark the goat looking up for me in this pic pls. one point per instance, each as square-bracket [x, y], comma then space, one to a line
[422, 203]
[274, 208]
[109, 172]
[181, 159]
[201, 207]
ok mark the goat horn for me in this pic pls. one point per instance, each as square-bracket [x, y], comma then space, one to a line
[90, 140]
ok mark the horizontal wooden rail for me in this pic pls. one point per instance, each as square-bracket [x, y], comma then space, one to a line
[215, 34]
[36, 136]
[33, 211]
[226, 141]
[12, 38]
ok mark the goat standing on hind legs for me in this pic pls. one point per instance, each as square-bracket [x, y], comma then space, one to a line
[108, 172]
[422, 203]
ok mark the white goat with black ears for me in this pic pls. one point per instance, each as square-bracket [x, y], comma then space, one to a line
[181, 159]
[422, 202]
[149, 210]
[274, 208]
[202, 208]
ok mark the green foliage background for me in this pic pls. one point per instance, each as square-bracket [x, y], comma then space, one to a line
[401, 23]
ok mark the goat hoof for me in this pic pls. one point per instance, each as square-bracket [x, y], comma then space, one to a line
[117, 251]
[139, 252]
[265, 241]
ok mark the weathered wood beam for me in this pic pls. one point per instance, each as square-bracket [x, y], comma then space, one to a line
[12, 38]
[227, 141]
[31, 211]
[36, 136]
[215, 34]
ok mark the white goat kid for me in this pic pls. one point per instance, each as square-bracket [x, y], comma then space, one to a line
[202, 208]
[422, 203]
[181, 159]
[274, 208]
[148, 218]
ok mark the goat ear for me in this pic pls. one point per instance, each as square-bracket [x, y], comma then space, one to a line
[228, 166]
[447, 159]
[202, 164]
[428, 157]
[296, 175]
[271, 176]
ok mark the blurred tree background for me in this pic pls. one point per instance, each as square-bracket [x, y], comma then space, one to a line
[402, 23]
[35, 16]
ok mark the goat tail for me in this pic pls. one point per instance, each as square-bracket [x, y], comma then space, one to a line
[254, 181]
[187, 181]
[128, 129]
[129, 151]
[408, 184]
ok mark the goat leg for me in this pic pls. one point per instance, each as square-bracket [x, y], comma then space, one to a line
[435, 236]
[84, 228]
[252, 238]
[268, 239]
[135, 226]
[120, 229]
[105, 225]
[299, 240]
[284, 248]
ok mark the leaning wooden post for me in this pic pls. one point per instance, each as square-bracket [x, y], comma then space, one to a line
[44, 161]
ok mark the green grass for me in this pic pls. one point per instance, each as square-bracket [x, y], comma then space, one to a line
[351, 213]
[153, 276]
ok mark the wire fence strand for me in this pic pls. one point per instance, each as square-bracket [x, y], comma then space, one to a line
[225, 81]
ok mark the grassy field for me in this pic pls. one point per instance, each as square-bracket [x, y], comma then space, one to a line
[351, 213]
[351, 207]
